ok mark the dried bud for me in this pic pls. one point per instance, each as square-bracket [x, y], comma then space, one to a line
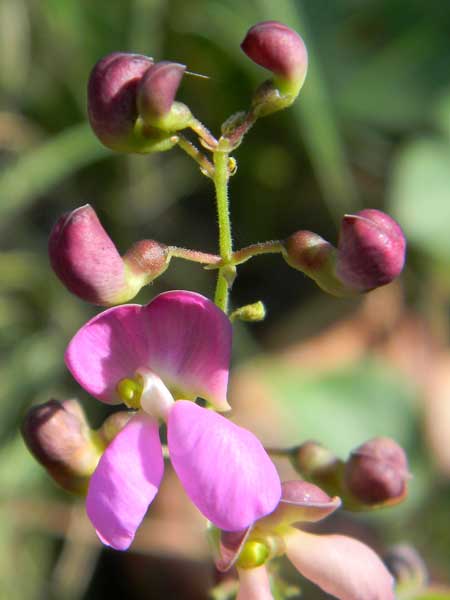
[281, 50]
[156, 95]
[58, 436]
[377, 473]
[85, 259]
[112, 105]
[371, 250]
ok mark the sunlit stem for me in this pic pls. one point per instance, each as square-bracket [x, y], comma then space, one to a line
[244, 254]
[188, 147]
[225, 276]
[206, 137]
[194, 256]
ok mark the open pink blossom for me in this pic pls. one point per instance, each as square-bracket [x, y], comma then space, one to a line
[340, 565]
[178, 346]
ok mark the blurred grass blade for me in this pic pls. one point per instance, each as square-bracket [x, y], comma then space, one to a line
[43, 167]
[315, 117]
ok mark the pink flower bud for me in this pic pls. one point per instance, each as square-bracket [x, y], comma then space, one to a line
[112, 105]
[58, 436]
[377, 472]
[279, 49]
[156, 95]
[87, 262]
[371, 250]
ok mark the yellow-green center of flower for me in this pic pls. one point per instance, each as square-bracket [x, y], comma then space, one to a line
[254, 554]
[130, 392]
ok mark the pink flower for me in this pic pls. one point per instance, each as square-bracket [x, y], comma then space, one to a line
[340, 565]
[178, 346]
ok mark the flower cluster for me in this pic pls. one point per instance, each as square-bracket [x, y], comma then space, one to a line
[161, 358]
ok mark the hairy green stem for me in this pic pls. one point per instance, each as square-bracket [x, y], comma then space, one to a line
[272, 247]
[225, 276]
[194, 255]
[191, 150]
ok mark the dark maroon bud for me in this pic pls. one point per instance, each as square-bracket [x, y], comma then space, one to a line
[371, 250]
[377, 472]
[59, 437]
[112, 90]
[158, 88]
[281, 50]
[87, 262]
[85, 259]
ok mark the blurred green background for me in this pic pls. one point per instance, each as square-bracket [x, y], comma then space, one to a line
[371, 129]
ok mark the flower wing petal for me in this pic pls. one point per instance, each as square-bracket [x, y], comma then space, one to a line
[340, 565]
[125, 482]
[189, 342]
[110, 347]
[223, 468]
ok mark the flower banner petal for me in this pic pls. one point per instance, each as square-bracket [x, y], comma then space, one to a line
[224, 468]
[189, 345]
[340, 565]
[110, 347]
[125, 482]
[181, 336]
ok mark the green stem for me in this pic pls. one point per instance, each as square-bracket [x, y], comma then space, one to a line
[194, 255]
[206, 137]
[192, 151]
[226, 272]
[272, 247]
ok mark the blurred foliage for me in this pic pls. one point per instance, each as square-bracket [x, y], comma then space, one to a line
[371, 128]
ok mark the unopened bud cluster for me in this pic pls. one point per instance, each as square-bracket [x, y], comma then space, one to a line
[375, 474]
[370, 253]
[131, 103]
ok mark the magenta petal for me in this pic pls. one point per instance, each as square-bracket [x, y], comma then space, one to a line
[189, 345]
[223, 468]
[340, 565]
[110, 347]
[181, 336]
[125, 482]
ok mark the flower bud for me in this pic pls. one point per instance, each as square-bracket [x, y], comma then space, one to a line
[281, 50]
[370, 253]
[377, 473]
[319, 465]
[308, 252]
[371, 250]
[59, 437]
[112, 105]
[156, 95]
[251, 313]
[87, 262]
